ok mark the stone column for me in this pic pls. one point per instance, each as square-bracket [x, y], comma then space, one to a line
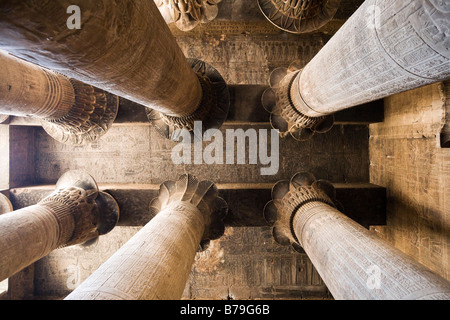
[156, 262]
[187, 14]
[386, 47]
[353, 262]
[125, 48]
[74, 213]
[70, 111]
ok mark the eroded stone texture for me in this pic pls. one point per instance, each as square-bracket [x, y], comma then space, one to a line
[360, 265]
[299, 16]
[245, 263]
[399, 46]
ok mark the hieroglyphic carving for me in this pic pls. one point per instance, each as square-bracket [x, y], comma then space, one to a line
[76, 214]
[202, 194]
[283, 114]
[187, 14]
[299, 16]
[346, 264]
[398, 47]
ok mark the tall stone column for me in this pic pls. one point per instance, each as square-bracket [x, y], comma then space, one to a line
[70, 111]
[74, 213]
[386, 47]
[125, 48]
[156, 262]
[353, 262]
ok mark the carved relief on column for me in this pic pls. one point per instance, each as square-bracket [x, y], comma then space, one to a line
[90, 117]
[212, 110]
[156, 262]
[299, 16]
[187, 14]
[284, 116]
[201, 194]
[82, 210]
[287, 197]
[353, 262]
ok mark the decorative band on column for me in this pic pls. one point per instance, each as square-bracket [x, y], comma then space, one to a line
[213, 108]
[284, 116]
[299, 16]
[204, 195]
[76, 214]
[89, 118]
[288, 199]
[60, 96]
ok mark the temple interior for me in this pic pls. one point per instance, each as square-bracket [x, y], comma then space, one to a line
[388, 160]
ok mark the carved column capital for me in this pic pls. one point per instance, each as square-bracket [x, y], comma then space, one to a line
[212, 110]
[203, 195]
[288, 198]
[82, 211]
[187, 14]
[299, 16]
[285, 114]
[91, 115]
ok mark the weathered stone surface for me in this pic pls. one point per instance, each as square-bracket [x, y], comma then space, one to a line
[147, 157]
[406, 158]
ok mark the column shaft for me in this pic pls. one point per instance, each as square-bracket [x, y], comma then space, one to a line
[124, 48]
[386, 47]
[29, 90]
[356, 264]
[31, 233]
[154, 264]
